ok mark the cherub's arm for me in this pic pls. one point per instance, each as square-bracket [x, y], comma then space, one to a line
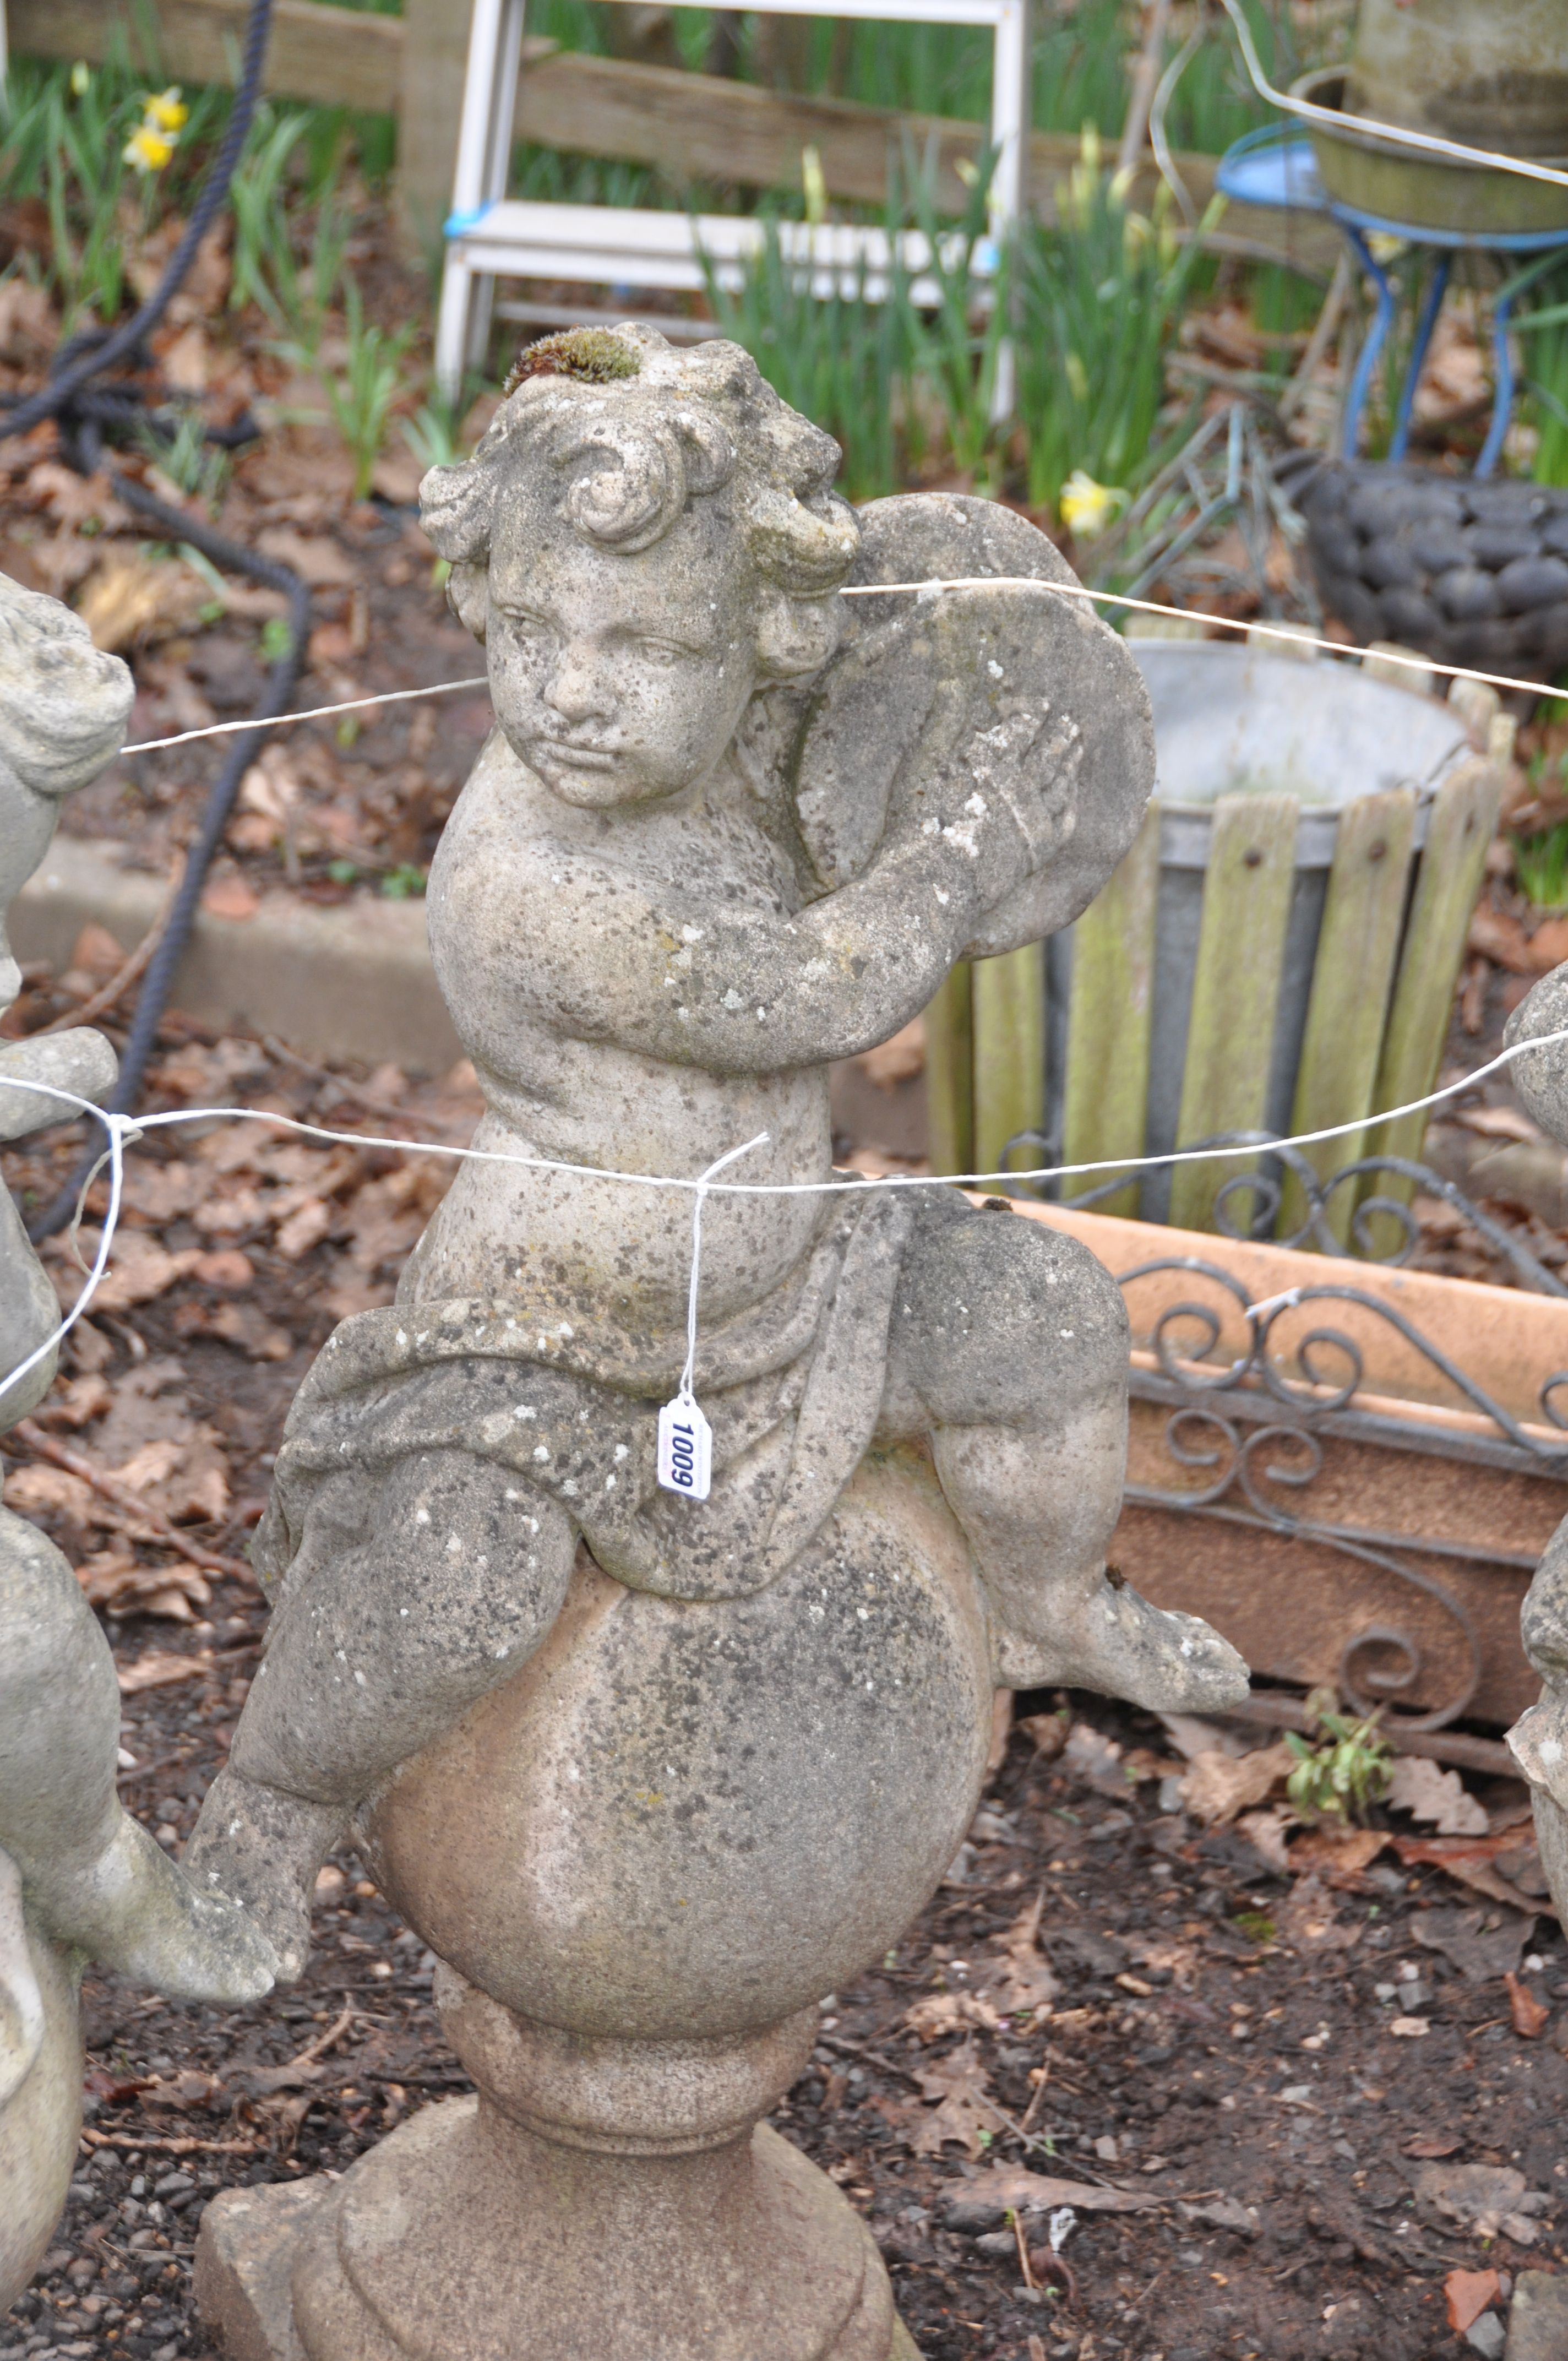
[678, 973]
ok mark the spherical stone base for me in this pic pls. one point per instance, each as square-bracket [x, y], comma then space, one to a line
[463, 2237]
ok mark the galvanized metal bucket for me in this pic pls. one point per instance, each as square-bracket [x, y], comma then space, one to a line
[1277, 952]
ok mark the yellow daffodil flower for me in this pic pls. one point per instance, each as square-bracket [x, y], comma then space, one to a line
[1087, 508]
[148, 149]
[167, 111]
[81, 78]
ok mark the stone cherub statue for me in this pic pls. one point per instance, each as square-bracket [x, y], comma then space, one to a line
[652, 1777]
[79, 1878]
[1539, 1739]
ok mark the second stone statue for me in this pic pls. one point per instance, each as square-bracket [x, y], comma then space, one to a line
[650, 1776]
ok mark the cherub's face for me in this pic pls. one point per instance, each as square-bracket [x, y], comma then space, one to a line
[618, 680]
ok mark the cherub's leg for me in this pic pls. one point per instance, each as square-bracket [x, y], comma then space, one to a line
[399, 1611]
[91, 1876]
[1009, 1347]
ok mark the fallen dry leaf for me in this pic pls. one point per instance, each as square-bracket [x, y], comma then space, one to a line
[29, 330]
[139, 1270]
[1095, 1761]
[1266, 1833]
[304, 1229]
[1223, 2214]
[1047, 1733]
[1531, 2016]
[231, 896]
[1337, 1853]
[158, 1669]
[130, 600]
[1485, 2198]
[112, 2090]
[185, 2090]
[1497, 1123]
[1500, 937]
[181, 1475]
[73, 1405]
[188, 361]
[964, 2109]
[163, 1191]
[1471, 1860]
[950, 2012]
[120, 1585]
[1027, 1982]
[1432, 2144]
[1308, 1920]
[1428, 1792]
[397, 476]
[49, 1492]
[244, 1325]
[1469, 2293]
[1037, 2192]
[316, 559]
[74, 500]
[263, 2081]
[1193, 1737]
[895, 1061]
[1218, 1786]
[226, 1266]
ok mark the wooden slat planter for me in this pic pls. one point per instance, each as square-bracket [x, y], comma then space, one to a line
[1335, 1531]
[1281, 958]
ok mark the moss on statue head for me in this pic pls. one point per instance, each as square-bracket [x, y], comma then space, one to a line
[592, 356]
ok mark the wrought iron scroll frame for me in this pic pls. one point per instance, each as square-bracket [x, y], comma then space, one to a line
[1249, 1405]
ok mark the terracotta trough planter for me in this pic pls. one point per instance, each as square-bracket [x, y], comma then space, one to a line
[1352, 1484]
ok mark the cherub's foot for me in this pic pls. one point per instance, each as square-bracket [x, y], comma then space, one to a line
[21, 2003]
[1117, 1644]
[262, 1848]
[135, 1910]
[1539, 1744]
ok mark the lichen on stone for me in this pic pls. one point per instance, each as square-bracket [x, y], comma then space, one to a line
[593, 355]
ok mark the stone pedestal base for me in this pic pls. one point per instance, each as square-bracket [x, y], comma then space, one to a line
[437, 2246]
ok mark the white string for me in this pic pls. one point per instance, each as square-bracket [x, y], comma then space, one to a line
[117, 1125]
[122, 1127]
[683, 1392]
[310, 713]
[1286, 633]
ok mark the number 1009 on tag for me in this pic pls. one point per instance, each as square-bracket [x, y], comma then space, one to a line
[685, 1450]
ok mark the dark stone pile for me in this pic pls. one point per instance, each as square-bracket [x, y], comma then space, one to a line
[1470, 573]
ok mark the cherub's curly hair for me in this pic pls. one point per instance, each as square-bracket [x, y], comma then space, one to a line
[636, 429]
[63, 704]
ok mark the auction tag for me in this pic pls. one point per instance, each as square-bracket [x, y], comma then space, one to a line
[685, 1449]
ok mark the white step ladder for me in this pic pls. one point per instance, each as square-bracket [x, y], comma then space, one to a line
[490, 235]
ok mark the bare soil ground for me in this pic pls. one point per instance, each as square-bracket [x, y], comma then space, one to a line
[1284, 2075]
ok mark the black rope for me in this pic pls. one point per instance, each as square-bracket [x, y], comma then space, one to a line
[276, 698]
[84, 413]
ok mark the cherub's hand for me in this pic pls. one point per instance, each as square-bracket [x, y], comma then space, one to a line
[1541, 1077]
[998, 804]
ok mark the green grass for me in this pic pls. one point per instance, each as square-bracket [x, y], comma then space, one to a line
[1542, 324]
[1094, 304]
[843, 362]
[1540, 865]
[1097, 301]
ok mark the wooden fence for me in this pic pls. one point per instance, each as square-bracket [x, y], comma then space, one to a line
[694, 125]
